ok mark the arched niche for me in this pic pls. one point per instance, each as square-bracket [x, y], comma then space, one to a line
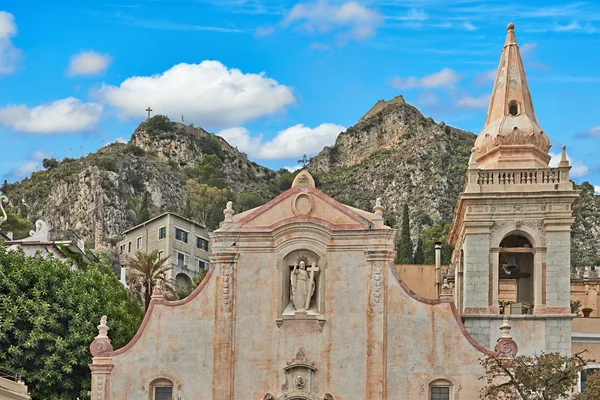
[183, 281]
[516, 273]
[314, 258]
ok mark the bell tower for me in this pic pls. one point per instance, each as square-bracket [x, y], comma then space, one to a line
[512, 223]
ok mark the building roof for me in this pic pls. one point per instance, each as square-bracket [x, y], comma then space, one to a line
[161, 216]
[511, 120]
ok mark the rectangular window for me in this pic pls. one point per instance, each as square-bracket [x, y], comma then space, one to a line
[129, 247]
[163, 393]
[160, 255]
[440, 393]
[139, 243]
[201, 243]
[122, 248]
[180, 259]
[181, 235]
[162, 232]
[201, 265]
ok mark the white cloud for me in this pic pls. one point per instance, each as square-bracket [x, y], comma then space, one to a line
[527, 48]
[208, 93]
[65, 115]
[597, 189]
[24, 170]
[444, 78]
[291, 142]
[120, 139]
[9, 54]
[412, 15]
[264, 31]
[467, 101]
[591, 133]
[469, 26]
[354, 20]
[577, 167]
[40, 155]
[296, 168]
[88, 63]
[483, 78]
[573, 26]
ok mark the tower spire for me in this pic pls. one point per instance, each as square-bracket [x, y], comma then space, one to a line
[511, 136]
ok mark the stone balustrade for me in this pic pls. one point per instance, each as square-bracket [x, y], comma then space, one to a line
[515, 179]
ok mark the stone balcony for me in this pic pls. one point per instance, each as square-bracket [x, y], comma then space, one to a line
[518, 180]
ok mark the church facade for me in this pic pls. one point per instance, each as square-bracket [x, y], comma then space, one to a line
[303, 301]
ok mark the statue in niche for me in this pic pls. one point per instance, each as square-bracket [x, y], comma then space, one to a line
[303, 285]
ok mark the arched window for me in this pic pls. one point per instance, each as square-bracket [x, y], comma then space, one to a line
[440, 389]
[513, 108]
[516, 275]
[182, 281]
[161, 389]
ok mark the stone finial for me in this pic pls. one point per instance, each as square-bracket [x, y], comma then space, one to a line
[378, 210]
[564, 161]
[41, 233]
[472, 161]
[303, 180]
[446, 290]
[101, 344]
[506, 346]
[3, 217]
[103, 328]
[228, 212]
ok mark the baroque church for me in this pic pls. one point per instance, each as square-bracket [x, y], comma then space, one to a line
[303, 301]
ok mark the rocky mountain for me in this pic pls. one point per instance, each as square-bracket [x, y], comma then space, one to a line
[393, 152]
[104, 191]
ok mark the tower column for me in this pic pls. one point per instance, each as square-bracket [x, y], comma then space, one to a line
[495, 279]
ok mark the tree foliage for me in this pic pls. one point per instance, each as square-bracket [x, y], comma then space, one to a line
[209, 171]
[591, 389]
[247, 200]
[146, 273]
[438, 232]
[49, 163]
[210, 145]
[20, 227]
[547, 376]
[405, 247]
[419, 256]
[205, 204]
[48, 318]
[158, 123]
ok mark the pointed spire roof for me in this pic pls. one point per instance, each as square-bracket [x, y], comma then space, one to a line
[511, 136]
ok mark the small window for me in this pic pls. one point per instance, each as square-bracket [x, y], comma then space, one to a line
[440, 393]
[201, 265]
[122, 248]
[583, 375]
[163, 393]
[440, 389]
[162, 232]
[180, 259]
[160, 255]
[139, 243]
[201, 243]
[129, 247]
[181, 235]
[513, 108]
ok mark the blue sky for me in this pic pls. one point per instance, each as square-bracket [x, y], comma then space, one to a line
[279, 79]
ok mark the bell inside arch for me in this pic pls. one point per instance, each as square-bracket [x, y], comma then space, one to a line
[511, 264]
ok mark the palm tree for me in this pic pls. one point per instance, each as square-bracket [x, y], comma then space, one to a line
[146, 272]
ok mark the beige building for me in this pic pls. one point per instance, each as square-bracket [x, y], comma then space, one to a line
[303, 301]
[185, 242]
[11, 387]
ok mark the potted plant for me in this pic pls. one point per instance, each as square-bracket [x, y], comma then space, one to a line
[586, 312]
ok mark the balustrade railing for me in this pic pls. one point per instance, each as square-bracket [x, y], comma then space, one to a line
[519, 177]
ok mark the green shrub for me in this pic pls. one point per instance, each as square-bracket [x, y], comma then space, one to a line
[158, 123]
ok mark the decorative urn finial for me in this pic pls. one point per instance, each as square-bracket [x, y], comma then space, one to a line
[101, 344]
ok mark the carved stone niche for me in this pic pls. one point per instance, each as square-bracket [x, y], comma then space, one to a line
[300, 382]
[312, 285]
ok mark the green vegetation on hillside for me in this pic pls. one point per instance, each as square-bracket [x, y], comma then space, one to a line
[48, 318]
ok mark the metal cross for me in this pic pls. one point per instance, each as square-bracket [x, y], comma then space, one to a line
[303, 161]
[149, 110]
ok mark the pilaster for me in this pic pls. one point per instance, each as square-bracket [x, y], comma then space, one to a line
[224, 333]
[101, 367]
[376, 371]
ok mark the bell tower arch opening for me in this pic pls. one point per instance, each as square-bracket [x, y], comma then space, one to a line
[516, 275]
